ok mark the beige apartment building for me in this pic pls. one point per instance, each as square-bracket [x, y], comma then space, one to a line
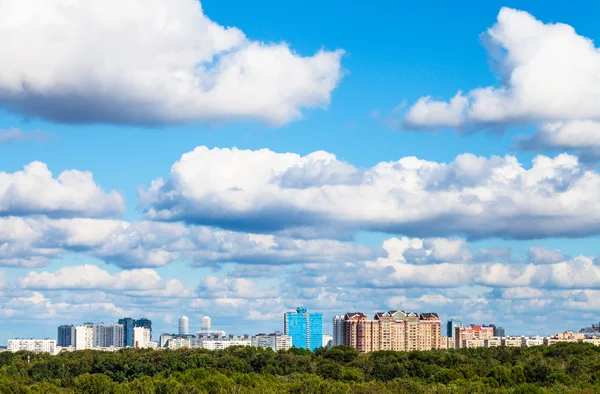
[472, 336]
[392, 330]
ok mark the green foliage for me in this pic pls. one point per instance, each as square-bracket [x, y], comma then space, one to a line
[561, 368]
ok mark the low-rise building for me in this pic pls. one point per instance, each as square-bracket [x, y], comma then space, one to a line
[220, 343]
[494, 342]
[567, 336]
[472, 343]
[512, 341]
[592, 340]
[32, 345]
[276, 341]
[532, 341]
[179, 342]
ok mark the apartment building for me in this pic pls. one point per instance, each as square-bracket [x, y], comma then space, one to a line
[512, 342]
[32, 345]
[472, 333]
[392, 330]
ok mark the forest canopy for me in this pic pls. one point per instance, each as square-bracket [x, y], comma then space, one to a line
[561, 368]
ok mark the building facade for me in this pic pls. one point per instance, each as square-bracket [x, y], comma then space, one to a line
[84, 336]
[128, 324]
[141, 337]
[393, 330]
[327, 340]
[65, 336]
[183, 325]
[32, 345]
[306, 329]
[276, 341]
[220, 343]
[472, 336]
[451, 327]
[338, 330]
[108, 335]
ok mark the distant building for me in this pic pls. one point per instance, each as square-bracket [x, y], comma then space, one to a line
[498, 331]
[532, 341]
[220, 343]
[512, 341]
[392, 330]
[108, 335]
[306, 329]
[594, 329]
[205, 323]
[32, 345]
[84, 336]
[451, 327]
[128, 324]
[144, 323]
[472, 336]
[276, 341]
[567, 336]
[141, 337]
[327, 340]
[65, 336]
[183, 325]
[179, 342]
[338, 330]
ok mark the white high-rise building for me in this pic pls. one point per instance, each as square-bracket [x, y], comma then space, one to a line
[338, 330]
[141, 337]
[327, 340]
[109, 335]
[84, 337]
[32, 345]
[183, 325]
[206, 323]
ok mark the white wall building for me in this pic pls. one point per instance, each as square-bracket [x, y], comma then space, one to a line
[220, 343]
[205, 323]
[532, 341]
[84, 337]
[141, 337]
[183, 325]
[338, 330]
[276, 341]
[179, 342]
[32, 345]
[327, 340]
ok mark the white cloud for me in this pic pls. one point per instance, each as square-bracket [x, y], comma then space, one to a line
[34, 241]
[17, 135]
[473, 196]
[142, 282]
[73, 193]
[150, 62]
[562, 93]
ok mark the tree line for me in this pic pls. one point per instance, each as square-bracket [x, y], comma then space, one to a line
[561, 368]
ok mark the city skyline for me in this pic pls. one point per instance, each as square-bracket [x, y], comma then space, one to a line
[239, 159]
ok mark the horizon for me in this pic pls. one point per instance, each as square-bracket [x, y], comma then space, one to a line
[236, 160]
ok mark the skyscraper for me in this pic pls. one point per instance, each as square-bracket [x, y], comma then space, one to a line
[306, 329]
[338, 330]
[451, 327]
[109, 335]
[206, 323]
[183, 325]
[128, 324]
[66, 336]
[144, 323]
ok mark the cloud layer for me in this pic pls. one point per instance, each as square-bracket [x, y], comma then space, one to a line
[561, 94]
[148, 63]
[264, 191]
[73, 193]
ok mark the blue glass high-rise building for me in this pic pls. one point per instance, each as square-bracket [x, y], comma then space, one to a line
[451, 327]
[306, 329]
[129, 323]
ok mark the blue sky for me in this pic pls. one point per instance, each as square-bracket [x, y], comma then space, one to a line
[395, 53]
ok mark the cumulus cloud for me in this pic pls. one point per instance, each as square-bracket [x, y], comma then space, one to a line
[73, 193]
[143, 282]
[17, 135]
[548, 272]
[560, 93]
[151, 62]
[473, 196]
[34, 241]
